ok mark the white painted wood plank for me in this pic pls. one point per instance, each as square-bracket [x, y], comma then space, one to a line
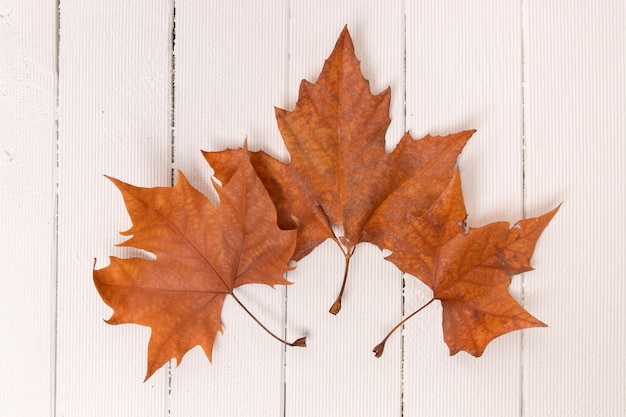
[230, 71]
[27, 162]
[575, 128]
[114, 119]
[338, 373]
[464, 72]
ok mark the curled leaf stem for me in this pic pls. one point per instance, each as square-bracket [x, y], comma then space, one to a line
[347, 251]
[334, 309]
[379, 348]
[301, 342]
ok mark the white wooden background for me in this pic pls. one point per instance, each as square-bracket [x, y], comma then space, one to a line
[93, 87]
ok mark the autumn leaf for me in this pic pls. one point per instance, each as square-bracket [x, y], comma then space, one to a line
[469, 270]
[202, 254]
[339, 173]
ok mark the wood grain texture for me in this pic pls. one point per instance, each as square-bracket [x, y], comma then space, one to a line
[226, 85]
[575, 74]
[544, 84]
[27, 160]
[114, 119]
[464, 72]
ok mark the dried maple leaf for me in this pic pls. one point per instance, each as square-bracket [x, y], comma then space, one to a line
[340, 174]
[469, 271]
[202, 254]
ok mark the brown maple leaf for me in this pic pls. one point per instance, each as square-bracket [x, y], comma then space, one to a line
[469, 270]
[202, 254]
[339, 173]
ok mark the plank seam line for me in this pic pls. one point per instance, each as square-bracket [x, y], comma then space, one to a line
[403, 275]
[172, 125]
[523, 28]
[286, 299]
[55, 214]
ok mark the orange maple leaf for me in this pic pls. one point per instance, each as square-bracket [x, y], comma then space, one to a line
[340, 174]
[469, 270]
[202, 254]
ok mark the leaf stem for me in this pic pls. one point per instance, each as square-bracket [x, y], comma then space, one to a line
[334, 309]
[348, 251]
[301, 342]
[379, 348]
